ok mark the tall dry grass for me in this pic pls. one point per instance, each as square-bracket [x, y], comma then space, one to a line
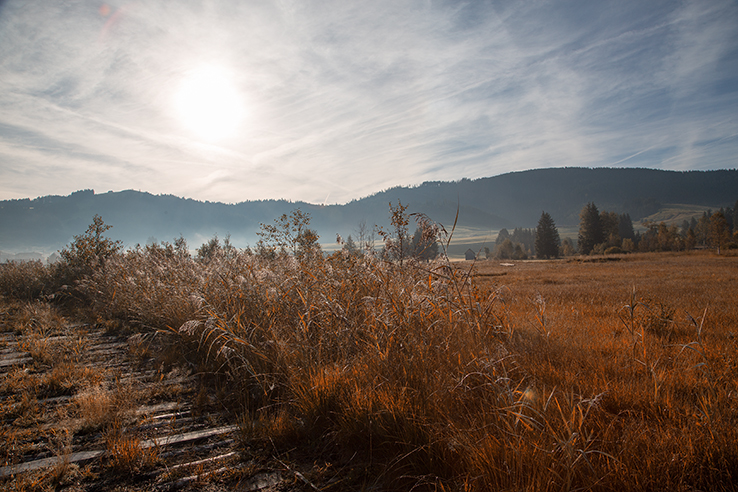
[543, 376]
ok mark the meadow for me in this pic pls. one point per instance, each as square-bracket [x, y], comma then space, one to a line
[584, 373]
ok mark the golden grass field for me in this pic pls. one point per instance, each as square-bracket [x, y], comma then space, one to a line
[584, 373]
[653, 338]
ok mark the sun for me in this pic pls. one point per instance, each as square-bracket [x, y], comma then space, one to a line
[209, 104]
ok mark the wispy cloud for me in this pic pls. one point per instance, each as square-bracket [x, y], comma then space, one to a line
[343, 99]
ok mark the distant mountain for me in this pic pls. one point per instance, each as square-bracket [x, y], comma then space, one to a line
[510, 200]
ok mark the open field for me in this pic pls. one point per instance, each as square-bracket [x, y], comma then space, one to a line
[343, 373]
[676, 213]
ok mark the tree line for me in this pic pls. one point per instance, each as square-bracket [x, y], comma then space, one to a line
[607, 232]
[600, 232]
[604, 232]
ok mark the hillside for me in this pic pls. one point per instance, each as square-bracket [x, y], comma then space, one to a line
[485, 205]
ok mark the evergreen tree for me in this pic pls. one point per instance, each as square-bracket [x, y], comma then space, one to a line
[590, 229]
[625, 227]
[350, 246]
[702, 229]
[547, 237]
[610, 223]
[501, 236]
[423, 248]
[728, 214]
[525, 237]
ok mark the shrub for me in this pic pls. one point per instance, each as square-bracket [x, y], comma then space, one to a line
[89, 252]
[25, 280]
[290, 234]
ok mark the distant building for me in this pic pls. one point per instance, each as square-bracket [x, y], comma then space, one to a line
[470, 254]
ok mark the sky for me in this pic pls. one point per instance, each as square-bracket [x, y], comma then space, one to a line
[329, 101]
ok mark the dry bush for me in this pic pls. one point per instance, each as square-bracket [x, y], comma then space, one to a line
[126, 456]
[96, 407]
[37, 318]
[147, 287]
[26, 280]
[66, 378]
[17, 381]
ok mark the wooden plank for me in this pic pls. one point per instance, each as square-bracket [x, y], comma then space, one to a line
[89, 455]
[202, 462]
[182, 482]
[188, 436]
[47, 462]
[176, 415]
[17, 361]
[107, 347]
[47, 401]
[197, 449]
[161, 407]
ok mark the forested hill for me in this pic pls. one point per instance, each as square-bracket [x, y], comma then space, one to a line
[487, 204]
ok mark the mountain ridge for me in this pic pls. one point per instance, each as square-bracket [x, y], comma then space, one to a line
[508, 200]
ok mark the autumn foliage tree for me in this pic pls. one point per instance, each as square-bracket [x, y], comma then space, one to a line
[719, 232]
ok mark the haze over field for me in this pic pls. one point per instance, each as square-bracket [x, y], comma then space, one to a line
[330, 101]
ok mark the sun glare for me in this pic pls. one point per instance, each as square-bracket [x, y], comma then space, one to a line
[208, 104]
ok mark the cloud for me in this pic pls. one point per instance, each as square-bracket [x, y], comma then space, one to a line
[345, 99]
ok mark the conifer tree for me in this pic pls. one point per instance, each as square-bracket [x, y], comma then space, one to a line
[547, 237]
[610, 223]
[625, 227]
[590, 229]
[350, 246]
[423, 248]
